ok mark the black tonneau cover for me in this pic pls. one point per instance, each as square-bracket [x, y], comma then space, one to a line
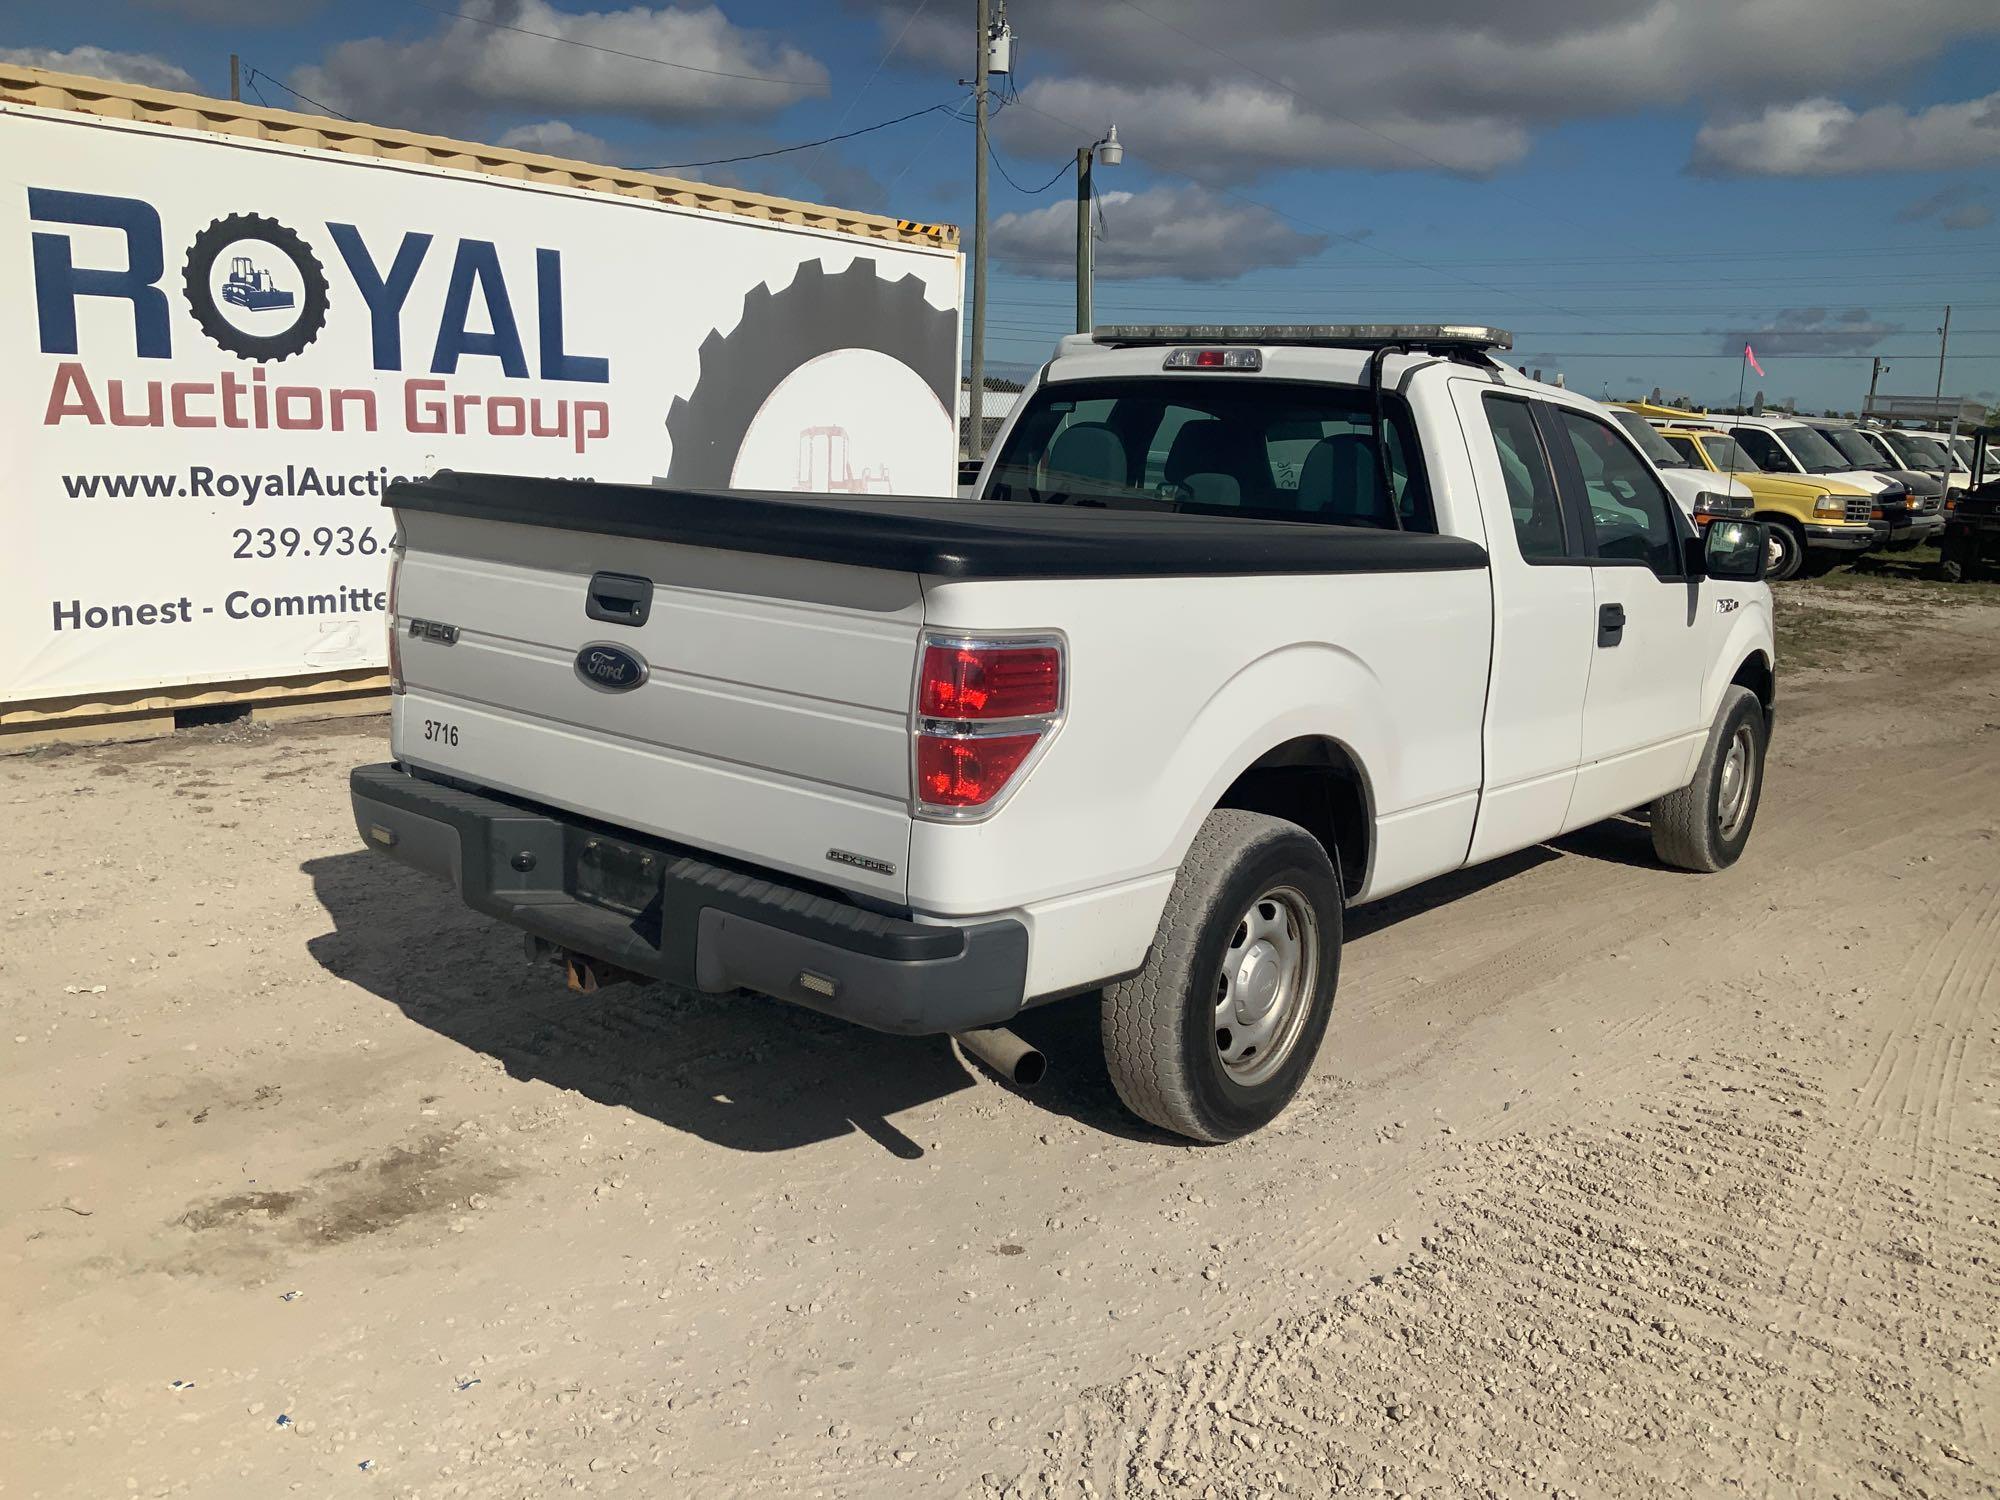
[946, 538]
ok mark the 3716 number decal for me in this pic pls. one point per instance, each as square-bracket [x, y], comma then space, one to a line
[440, 732]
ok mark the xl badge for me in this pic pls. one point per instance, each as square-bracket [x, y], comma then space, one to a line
[610, 669]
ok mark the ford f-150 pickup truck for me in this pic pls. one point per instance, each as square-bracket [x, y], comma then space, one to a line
[1246, 627]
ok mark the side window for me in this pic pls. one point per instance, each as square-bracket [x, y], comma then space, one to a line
[1764, 448]
[1531, 488]
[1631, 516]
[1687, 449]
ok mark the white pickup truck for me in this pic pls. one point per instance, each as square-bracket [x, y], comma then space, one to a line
[1247, 626]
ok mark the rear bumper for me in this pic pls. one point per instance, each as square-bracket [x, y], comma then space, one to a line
[708, 927]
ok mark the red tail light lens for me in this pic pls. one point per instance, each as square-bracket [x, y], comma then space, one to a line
[1009, 686]
[968, 772]
[989, 682]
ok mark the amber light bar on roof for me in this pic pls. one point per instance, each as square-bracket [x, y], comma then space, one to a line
[1331, 335]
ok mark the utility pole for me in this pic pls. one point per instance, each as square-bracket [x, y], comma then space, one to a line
[235, 78]
[975, 438]
[1944, 340]
[1085, 269]
[1875, 368]
[1111, 153]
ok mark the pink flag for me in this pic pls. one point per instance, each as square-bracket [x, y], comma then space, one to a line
[1751, 355]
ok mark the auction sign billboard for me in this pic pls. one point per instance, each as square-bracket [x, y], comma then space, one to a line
[216, 353]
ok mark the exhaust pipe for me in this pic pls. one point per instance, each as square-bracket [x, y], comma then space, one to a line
[1005, 1053]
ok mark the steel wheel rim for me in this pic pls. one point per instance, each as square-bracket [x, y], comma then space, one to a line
[1263, 995]
[1736, 782]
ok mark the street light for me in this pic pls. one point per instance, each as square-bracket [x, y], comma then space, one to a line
[1111, 152]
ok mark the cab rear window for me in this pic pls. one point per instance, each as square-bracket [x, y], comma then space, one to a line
[1267, 449]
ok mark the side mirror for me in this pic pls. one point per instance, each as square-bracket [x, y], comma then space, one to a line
[1735, 550]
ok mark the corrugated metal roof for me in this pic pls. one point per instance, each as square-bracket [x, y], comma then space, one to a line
[124, 101]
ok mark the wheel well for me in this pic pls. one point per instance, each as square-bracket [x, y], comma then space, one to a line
[1316, 784]
[1756, 675]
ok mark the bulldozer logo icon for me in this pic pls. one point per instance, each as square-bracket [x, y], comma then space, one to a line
[248, 286]
[255, 287]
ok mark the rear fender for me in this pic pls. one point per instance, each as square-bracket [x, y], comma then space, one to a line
[1311, 690]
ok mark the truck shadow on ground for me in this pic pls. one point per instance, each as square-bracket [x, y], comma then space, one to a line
[739, 1071]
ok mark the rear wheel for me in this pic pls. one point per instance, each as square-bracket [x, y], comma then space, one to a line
[1787, 547]
[1705, 824]
[1213, 1038]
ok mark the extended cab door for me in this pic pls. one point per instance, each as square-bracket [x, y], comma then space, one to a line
[1544, 613]
[1640, 713]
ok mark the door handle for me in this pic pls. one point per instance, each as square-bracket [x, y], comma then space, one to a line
[619, 599]
[1610, 624]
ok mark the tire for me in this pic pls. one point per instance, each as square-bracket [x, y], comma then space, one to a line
[1704, 825]
[311, 298]
[1960, 563]
[1162, 1040]
[1788, 550]
[778, 332]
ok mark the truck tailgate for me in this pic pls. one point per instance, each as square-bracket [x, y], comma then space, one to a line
[771, 724]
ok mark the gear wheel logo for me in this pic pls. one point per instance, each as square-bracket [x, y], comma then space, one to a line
[255, 287]
[816, 315]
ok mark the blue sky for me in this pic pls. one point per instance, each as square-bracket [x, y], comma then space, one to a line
[1634, 186]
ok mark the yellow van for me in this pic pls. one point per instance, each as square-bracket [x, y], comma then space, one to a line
[1816, 523]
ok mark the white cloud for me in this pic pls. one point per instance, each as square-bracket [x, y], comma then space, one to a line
[1825, 138]
[1226, 129]
[1810, 331]
[142, 68]
[1186, 233]
[1457, 82]
[456, 77]
[559, 138]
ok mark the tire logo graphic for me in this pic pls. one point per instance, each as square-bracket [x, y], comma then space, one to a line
[255, 287]
[818, 314]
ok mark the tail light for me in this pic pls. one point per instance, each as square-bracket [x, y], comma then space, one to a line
[984, 705]
[395, 635]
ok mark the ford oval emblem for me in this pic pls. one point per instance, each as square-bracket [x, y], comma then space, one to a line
[609, 668]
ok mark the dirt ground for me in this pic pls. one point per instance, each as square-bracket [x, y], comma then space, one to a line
[1610, 1181]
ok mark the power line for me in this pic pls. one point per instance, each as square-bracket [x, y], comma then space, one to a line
[570, 41]
[880, 63]
[253, 74]
[847, 135]
[1061, 172]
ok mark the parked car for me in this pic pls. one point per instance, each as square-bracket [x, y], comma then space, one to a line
[1814, 523]
[1703, 493]
[1926, 487]
[1248, 627]
[1928, 453]
[1787, 445]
